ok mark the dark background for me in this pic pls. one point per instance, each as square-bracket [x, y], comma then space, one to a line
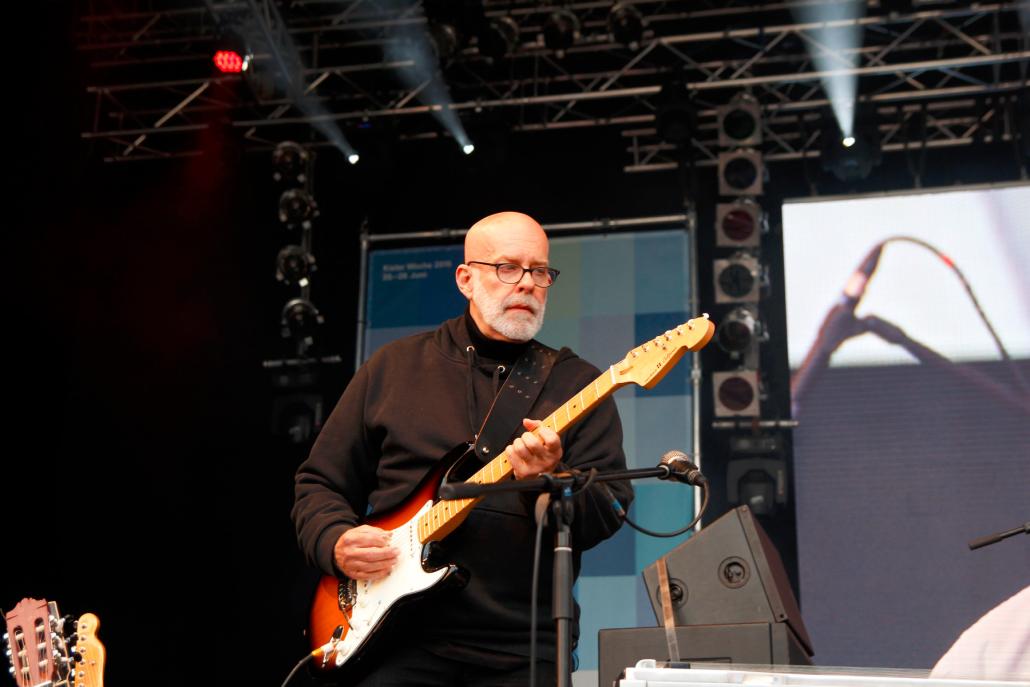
[144, 477]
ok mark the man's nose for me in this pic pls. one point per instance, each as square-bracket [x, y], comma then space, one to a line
[526, 282]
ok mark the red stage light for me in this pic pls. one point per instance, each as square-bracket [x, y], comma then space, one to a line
[229, 61]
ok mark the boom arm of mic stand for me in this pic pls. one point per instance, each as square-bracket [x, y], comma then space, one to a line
[998, 536]
[471, 490]
[894, 334]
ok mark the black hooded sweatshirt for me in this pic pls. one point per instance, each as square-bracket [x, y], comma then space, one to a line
[406, 408]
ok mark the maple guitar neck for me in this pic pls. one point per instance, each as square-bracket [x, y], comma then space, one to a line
[446, 515]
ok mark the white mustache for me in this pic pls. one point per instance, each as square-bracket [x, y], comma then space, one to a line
[524, 301]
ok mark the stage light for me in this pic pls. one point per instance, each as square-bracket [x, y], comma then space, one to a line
[230, 61]
[676, 115]
[737, 332]
[737, 279]
[738, 224]
[444, 40]
[736, 393]
[353, 158]
[300, 319]
[740, 122]
[758, 483]
[294, 266]
[850, 162]
[561, 30]
[297, 417]
[468, 149]
[231, 55]
[296, 206]
[499, 38]
[290, 163]
[626, 25]
[740, 173]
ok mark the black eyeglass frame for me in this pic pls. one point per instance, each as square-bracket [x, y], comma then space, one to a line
[550, 271]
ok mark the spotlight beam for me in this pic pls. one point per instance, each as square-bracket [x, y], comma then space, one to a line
[827, 45]
[284, 52]
[410, 43]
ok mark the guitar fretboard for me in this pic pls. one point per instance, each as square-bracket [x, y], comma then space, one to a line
[444, 516]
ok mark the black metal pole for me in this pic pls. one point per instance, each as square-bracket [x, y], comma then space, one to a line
[998, 536]
[562, 604]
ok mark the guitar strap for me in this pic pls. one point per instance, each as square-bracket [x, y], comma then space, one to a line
[514, 399]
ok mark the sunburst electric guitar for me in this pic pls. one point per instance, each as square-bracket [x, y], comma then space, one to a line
[348, 615]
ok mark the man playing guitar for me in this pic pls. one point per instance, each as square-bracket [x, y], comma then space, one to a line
[409, 405]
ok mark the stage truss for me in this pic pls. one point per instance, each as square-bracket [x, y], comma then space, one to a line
[937, 75]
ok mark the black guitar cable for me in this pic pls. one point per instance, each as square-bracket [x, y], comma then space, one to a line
[297, 667]
[318, 653]
[621, 512]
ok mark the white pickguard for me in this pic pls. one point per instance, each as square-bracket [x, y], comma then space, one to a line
[375, 598]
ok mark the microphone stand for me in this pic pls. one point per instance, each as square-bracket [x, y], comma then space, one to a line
[560, 487]
[998, 536]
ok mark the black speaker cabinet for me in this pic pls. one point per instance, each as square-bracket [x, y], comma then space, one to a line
[727, 574]
[763, 643]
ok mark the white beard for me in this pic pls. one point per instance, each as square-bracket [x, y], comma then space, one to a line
[517, 325]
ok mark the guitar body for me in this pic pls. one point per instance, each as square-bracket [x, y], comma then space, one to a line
[365, 608]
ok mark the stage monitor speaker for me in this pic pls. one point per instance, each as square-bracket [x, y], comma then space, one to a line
[756, 643]
[728, 573]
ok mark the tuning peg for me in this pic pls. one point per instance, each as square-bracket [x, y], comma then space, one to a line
[69, 623]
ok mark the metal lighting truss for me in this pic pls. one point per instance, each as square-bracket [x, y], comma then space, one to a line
[942, 74]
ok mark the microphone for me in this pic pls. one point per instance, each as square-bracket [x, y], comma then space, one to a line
[682, 469]
[838, 325]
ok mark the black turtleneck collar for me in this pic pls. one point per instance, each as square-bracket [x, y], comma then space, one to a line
[492, 349]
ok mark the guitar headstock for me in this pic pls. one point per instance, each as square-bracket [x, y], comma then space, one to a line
[35, 642]
[649, 362]
[89, 653]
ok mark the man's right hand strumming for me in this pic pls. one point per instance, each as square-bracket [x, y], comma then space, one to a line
[364, 553]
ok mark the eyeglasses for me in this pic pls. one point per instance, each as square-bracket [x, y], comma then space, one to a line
[510, 273]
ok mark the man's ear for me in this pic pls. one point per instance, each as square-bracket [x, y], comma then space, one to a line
[463, 278]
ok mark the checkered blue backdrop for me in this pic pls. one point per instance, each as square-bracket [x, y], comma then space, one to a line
[615, 291]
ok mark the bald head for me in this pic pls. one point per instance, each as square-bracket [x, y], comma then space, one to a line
[503, 233]
[504, 311]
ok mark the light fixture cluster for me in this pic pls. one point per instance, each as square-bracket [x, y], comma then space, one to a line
[737, 267]
[295, 264]
[456, 26]
[756, 470]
